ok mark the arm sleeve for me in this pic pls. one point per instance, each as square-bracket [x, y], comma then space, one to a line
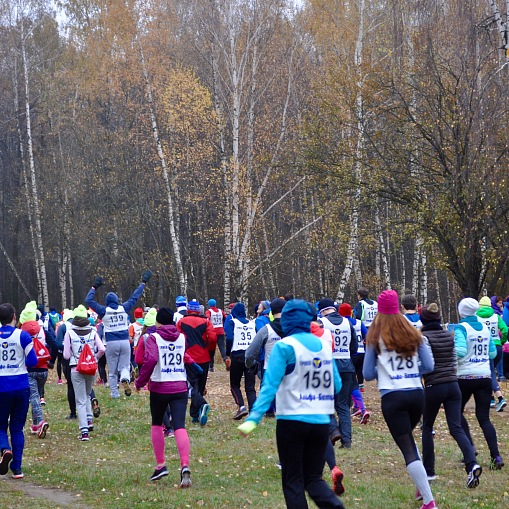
[207, 314]
[51, 329]
[493, 349]
[131, 331]
[369, 366]
[228, 330]
[357, 311]
[212, 336]
[460, 340]
[281, 357]
[354, 346]
[67, 346]
[427, 363]
[253, 350]
[89, 299]
[60, 336]
[503, 328]
[364, 331]
[100, 346]
[133, 299]
[140, 351]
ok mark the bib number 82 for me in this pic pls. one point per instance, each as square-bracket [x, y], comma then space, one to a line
[5, 355]
[316, 380]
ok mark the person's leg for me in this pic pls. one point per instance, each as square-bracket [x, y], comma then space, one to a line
[434, 396]
[202, 378]
[358, 361]
[236, 372]
[42, 378]
[466, 389]
[482, 397]
[35, 400]
[221, 346]
[89, 381]
[494, 382]
[80, 392]
[290, 437]
[124, 360]
[330, 456]
[158, 404]
[18, 416]
[452, 407]
[101, 366]
[197, 400]
[313, 459]
[249, 385]
[343, 408]
[7, 403]
[178, 405]
[112, 358]
[60, 356]
[505, 364]
[71, 399]
[212, 354]
[166, 418]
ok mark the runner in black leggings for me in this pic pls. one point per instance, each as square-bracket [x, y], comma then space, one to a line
[395, 347]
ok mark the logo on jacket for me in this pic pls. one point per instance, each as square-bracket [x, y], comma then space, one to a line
[5, 344]
[317, 362]
[171, 347]
[245, 327]
[337, 331]
[82, 340]
[479, 339]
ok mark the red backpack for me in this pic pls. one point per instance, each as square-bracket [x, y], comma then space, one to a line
[86, 362]
[42, 353]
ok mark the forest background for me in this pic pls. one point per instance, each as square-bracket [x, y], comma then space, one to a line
[244, 149]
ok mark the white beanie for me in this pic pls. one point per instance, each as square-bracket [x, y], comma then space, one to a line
[468, 307]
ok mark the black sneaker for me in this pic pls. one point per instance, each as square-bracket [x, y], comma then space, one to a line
[473, 476]
[127, 389]
[335, 436]
[185, 477]
[270, 415]
[242, 412]
[96, 409]
[496, 463]
[158, 473]
[17, 474]
[5, 460]
[71, 417]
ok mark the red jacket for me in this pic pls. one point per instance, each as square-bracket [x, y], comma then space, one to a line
[219, 330]
[201, 336]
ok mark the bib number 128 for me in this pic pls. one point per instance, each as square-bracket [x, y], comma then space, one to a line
[400, 363]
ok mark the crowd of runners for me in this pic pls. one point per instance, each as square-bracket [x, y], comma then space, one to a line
[312, 360]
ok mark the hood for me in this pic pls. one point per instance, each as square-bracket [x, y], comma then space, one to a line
[214, 308]
[151, 329]
[112, 300]
[32, 327]
[276, 325]
[485, 312]
[369, 301]
[266, 312]
[239, 311]
[168, 332]
[316, 330]
[494, 306]
[413, 318]
[296, 317]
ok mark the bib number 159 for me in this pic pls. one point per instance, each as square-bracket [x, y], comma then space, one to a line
[318, 379]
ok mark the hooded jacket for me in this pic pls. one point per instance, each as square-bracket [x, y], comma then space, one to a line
[238, 312]
[262, 320]
[252, 353]
[486, 312]
[494, 306]
[169, 333]
[112, 302]
[139, 356]
[52, 348]
[201, 336]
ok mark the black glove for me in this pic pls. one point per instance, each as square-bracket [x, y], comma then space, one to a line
[98, 282]
[50, 365]
[253, 370]
[146, 276]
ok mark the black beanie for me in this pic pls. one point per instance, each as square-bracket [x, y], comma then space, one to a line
[325, 303]
[277, 305]
[165, 316]
[430, 314]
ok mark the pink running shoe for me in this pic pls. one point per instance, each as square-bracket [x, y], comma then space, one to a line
[431, 505]
[43, 427]
[365, 417]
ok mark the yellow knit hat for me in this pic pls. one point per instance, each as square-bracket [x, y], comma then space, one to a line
[80, 312]
[150, 317]
[68, 315]
[29, 313]
[485, 302]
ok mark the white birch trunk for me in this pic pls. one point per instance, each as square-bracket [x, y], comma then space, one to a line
[417, 259]
[61, 262]
[424, 280]
[35, 197]
[439, 297]
[13, 268]
[403, 269]
[174, 234]
[383, 254]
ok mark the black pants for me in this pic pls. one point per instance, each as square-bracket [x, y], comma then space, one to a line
[402, 411]
[301, 447]
[449, 395]
[221, 345]
[101, 366]
[481, 390]
[505, 360]
[358, 361]
[237, 369]
[60, 358]
[198, 384]
[178, 404]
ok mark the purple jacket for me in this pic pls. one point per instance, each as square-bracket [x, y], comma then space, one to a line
[496, 309]
[151, 357]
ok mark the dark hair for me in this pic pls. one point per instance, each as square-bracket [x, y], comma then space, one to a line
[409, 301]
[7, 312]
[363, 293]
[288, 296]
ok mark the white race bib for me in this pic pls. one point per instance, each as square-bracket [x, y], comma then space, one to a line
[243, 334]
[170, 366]
[115, 320]
[12, 355]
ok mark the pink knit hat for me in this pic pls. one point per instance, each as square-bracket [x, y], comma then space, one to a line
[388, 302]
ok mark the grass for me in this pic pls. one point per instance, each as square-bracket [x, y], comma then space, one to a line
[114, 468]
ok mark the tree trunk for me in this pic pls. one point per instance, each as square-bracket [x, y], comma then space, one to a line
[16, 273]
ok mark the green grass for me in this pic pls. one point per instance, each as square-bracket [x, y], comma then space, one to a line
[114, 468]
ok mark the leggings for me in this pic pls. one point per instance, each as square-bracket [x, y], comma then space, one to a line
[101, 366]
[60, 358]
[358, 361]
[402, 411]
[178, 405]
[481, 389]
[505, 361]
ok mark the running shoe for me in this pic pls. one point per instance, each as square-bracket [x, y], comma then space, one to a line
[346, 445]
[158, 473]
[496, 463]
[43, 401]
[418, 495]
[90, 426]
[96, 409]
[17, 474]
[501, 405]
[365, 417]
[337, 481]
[43, 427]
[227, 363]
[59, 382]
[169, 433]
[195, 420]
[83, 437]
[335, 436]
[127, 389]
[270, 415]
[431, 505]
[204, 414]
[242, 412]
[473, 476]
[185, 477]
[432, 477]
[361, 387]
[99, 382]
[211, 369]
[356, 411]
[133, 376]
[4, 462]
[34, 428]
[71, 417]
[278, 465]
[493, 403]
[106, 385]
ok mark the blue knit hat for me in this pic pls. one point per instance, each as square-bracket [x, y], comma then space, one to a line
[193, 305]
[212, 303]
[181, 301]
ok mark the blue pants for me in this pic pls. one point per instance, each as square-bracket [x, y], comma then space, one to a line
[342, 407]
[14, 404]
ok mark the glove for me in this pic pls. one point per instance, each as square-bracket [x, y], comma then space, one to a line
[254, 368]
[146, 276]
[98, 282]
[246, 427]
[197, 368]
[50, 365]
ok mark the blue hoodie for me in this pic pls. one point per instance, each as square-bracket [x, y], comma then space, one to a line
[112, 302]
[296, 322]
[262, 320]
[238, 312]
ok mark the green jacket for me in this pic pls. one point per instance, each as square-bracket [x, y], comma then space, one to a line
[488, 312]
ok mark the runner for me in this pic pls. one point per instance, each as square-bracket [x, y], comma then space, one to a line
[115, 318]
[217, 318]
[263, 312]
[395, 348]
[475, 347]
[409, 309]
[302, 423]
[239, 334]
[16, 346]
[181, 304]
[165, 358]
[80, 334]
[441, 388]
[366, 309]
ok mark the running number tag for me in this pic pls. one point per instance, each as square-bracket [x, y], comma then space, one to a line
[8, 354]
[341, 342]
